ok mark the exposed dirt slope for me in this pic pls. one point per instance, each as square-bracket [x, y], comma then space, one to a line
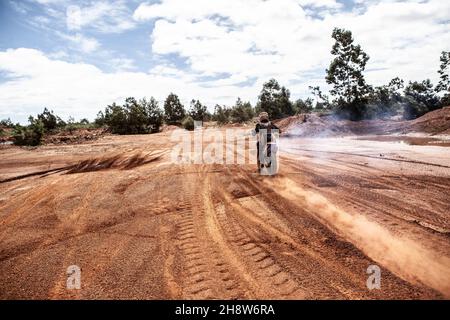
[316, 125]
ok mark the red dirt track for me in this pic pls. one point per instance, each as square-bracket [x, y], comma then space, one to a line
[141, 227]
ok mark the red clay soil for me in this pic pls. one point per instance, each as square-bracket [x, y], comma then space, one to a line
[74, 136]
[141, 227]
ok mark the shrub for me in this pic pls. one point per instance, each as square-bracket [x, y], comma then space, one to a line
[7, 123]
[134, 117]
[188, 123]
[242, 112]
[30, 135]
[221, 114]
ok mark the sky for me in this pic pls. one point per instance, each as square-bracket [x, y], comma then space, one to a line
[76, 57]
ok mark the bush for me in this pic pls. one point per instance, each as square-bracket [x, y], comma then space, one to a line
[134, 117]
[303, 106]
[30, 135]
[198, 111]
[242, 112]
[419, 99]
[221, 114]
[50, 121]
[188, 123]
[7, 123]
[413, 108]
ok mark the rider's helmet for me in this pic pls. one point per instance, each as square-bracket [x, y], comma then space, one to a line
[264, 117]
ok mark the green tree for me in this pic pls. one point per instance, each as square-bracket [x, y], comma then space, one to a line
[322, 99]
[136, 116]
[30, 135]
[100, 119]
[48, 119]
[444, 78]
[154, 114]
[420, 98]
[242, 112]
[385, 101]
[116, 119]
[444, 70]
[198, 111]
[71, 126]
[275, 100]
[345, 74]
[303, 106]
[6, 123]
[221, 114]
[173, 109]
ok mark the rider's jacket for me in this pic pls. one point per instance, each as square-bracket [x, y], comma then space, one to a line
[269, 126]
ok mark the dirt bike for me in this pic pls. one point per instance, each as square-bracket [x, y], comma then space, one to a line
[268, 159]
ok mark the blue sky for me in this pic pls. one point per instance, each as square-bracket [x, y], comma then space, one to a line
[76, 57]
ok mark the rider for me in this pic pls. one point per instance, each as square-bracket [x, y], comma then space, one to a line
[264, 124]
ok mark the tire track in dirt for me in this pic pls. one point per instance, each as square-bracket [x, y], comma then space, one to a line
[260, 271]
[294, 256]
[206, 272]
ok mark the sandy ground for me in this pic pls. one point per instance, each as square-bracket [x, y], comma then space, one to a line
[140, 227]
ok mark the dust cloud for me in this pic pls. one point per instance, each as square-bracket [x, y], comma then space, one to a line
[402, 256]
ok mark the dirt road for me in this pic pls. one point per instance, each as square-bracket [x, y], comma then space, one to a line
[140, 227]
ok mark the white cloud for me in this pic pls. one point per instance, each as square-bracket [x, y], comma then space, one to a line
[281, 39]
[103, 16]
[83, 43]
[123, 64]
[81, 90]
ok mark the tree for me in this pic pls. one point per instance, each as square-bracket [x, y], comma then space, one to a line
[116, 119]
[100, 119]
[322, 99]
[154, 114]
[70, 126]
[173, 109]
[303, 106]
[30, 135]
[134, 117]
[242, 111]
[444, 82]
[420, 98]
[48, 119]
[6, 123]
[346, 74]
[221, 114]
[198, 111]
[275, 100]
[444, 70]
[385, 101]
